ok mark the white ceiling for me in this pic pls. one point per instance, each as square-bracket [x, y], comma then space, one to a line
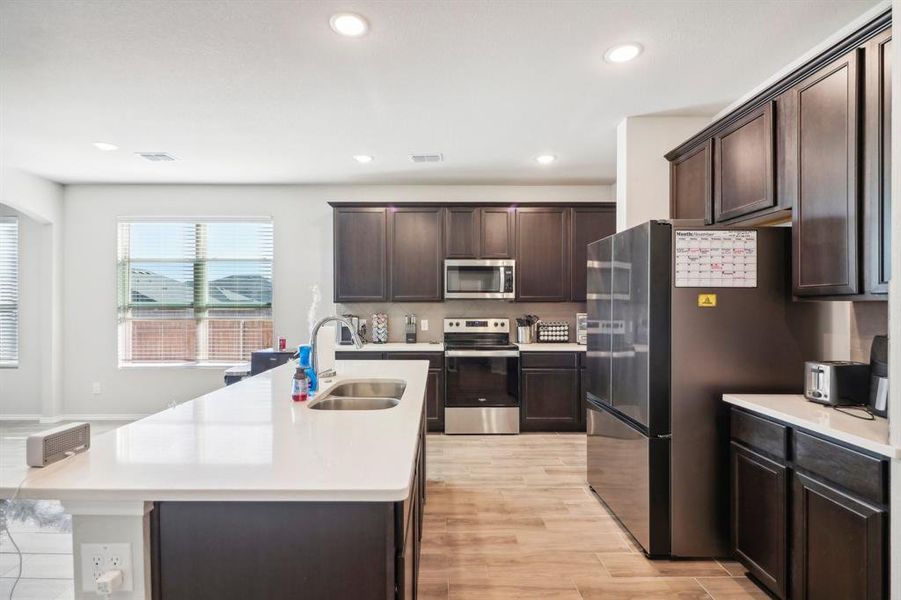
[263, 91]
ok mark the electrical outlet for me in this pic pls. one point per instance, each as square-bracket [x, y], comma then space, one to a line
[97, 559]
[424, 324]
[95, 388]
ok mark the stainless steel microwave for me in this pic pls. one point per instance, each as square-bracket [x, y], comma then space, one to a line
[468, 278]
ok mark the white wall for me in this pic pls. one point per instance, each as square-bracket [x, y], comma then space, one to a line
[40, 200]
[642, 173]
[303, 259]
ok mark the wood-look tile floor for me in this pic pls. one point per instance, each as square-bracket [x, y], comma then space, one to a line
[512, 517]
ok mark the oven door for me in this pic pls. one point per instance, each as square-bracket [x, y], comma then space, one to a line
[481, 378]
[478, 279]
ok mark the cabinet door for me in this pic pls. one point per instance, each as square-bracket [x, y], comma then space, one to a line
[877, 186]
[824, 219]
[497, 232]
[542, 254]
[434, 401]
[361, 258]
[839, 548]
[406, 562]
[759, 525]
[416, 254]
[743, 173]
[583, 406]
[691, 195]
[550, 400]
[462, 232]
[587, 225]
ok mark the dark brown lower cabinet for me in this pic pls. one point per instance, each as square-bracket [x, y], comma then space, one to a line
[839, 544]
[550, 399]
[759, 517]
[434, 386]
[434, 401]
[434, 391]
[583, 389]
[312, 550]
[810, 524]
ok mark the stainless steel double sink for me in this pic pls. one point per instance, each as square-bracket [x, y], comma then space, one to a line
[362, 394]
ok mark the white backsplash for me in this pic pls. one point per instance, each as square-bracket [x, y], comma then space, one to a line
[436, 312]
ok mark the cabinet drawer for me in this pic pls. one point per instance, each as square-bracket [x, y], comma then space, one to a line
[359, 355]
[436, 359]
[859, 473]
[549, 360]
[759, 433]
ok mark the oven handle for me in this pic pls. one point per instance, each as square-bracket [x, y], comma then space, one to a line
[490, 353]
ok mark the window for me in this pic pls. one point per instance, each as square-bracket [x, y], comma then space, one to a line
[194, 292]
[9, 292]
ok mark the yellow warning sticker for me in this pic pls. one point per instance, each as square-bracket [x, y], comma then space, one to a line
[706, 300]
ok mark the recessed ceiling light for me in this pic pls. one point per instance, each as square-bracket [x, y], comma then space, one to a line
[545, 159]
[623, 52]
[349, 24]
[105, 146]
[363, 158]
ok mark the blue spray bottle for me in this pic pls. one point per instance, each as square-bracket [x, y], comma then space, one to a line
[304, 362]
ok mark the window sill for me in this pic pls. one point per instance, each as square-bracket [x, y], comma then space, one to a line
[179, 366]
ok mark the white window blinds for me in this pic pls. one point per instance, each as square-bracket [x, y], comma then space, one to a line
[194, 292]
[9, 291]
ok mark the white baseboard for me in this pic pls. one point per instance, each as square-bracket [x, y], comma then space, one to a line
[103, 417]
[72, 417]
[19, 417]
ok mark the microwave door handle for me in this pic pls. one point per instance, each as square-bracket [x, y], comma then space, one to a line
[478, 353]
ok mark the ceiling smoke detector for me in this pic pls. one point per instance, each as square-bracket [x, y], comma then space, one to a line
[427, 158]
[156, 156]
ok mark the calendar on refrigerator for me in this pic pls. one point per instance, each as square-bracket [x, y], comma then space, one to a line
[716, 258]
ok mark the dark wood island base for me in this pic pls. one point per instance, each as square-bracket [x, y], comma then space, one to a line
[286, 550]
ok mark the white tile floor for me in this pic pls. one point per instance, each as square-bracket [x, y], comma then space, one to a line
[46, 550]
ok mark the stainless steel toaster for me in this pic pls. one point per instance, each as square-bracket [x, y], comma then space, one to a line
[837, 382]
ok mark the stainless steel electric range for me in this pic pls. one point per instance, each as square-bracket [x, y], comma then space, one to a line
[481, 377]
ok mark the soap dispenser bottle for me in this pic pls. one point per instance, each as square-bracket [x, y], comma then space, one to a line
[305, 362]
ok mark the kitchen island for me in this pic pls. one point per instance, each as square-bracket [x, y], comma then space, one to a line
[242, 493]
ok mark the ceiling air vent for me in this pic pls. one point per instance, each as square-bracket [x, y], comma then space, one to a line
[427, 158]
[156, 156]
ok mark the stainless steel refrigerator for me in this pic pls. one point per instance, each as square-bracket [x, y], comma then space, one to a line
[678, 316]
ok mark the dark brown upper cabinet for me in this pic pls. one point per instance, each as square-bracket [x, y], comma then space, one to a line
[497, 232]
[361, 257]
[815, 144]
[542, 254]
[743, 173]
[416, 252]
[877, 188]
[825, 215]
[462, 232]
[587, 225]
[690, 184]
[479, 232]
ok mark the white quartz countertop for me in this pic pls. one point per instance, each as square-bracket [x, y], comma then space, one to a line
[394, 347]
[250, 441]
[544, 347]
[796, 410]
